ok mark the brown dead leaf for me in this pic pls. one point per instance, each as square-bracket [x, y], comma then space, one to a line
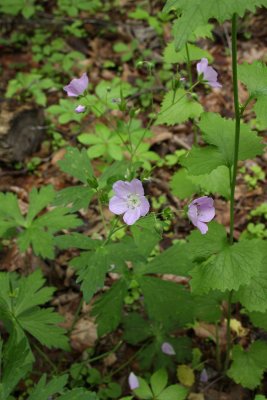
[208, 331]
[196, 396]
[84, 335]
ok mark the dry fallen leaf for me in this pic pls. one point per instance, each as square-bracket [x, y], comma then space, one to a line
[84, 335]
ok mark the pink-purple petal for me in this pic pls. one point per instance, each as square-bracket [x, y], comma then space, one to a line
[206, 214]
[144, 206]
[118, 205]
[167, 348]
[77, 86]
[121, 189]
[131, 216]
[133, 381]
[202, 227]
[136, 187]
[80, 109]
[202, 65]
[192, 213]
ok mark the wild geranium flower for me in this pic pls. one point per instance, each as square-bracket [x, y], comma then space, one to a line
[167, 348]
[129, 200]
[200, 211]
[77, 86]
[209, 74]
[133, 381]
[80, 109]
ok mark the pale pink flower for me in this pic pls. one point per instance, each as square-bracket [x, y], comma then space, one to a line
[133, 381]
[200, 211]
[209, 74]
[167, 348]
[77, 86]
[80, 109]
[129, 200]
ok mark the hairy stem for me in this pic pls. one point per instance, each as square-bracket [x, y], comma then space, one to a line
[234, 173]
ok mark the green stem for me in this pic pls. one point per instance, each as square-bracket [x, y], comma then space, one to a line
[218, 353]
[102, 214]
[237, 125]
[46, 358]
[234, 174]
[188, 64]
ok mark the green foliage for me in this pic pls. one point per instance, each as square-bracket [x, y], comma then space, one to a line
[108, 308]
[16, 361]
[14, 7]
[103, 143]
[177, 108]
[254, 76]
[37, 231]
[195, 53]
[65, 111]
[196, 13]
[20, 302]
[73, 8]
[29, 85]
[158, 388]
[248, 366]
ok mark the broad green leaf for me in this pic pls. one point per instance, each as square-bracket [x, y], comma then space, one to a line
[91, 269]
[175, 260]
[258, 319]
[254, 295]
[78, 394]
[202, 160]
[74, 197]
[159, 381]
[171, 302]
[143, 391]
[249, 365]
[9, 209]
[40, 232]
[229, 269]
[207, 308]
[42, 324]
[220, 132]
[184, 185]
[181, 184]
[77, 164]
[195, 53]
[145, 234]
[136, 329]
[16, 362]
[177, 108]
[108, 308]
[174, 392]
[197, 12]
[39, 200]
[203, 246]
[43, 390]
[254, 76]
[76, 240]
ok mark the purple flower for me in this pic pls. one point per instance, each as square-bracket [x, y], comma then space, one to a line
[80, 109]
[209, 74]
[167, 348]
[77, 86]
[133, 381]
[129, 200]
[204, 376]
[200, 211]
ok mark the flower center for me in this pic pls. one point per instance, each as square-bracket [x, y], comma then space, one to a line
[133, 201]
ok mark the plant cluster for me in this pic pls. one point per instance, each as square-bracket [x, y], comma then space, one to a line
[220, 271]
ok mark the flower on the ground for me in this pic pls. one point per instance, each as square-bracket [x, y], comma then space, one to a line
[200, 211]
[129, 200]
[204, 376]
[209, 74]
[167, 348]
[77, 86]
[80, 109]
[133, 381]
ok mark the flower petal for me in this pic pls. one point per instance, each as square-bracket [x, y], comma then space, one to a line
[131, 216]
[206, 214]
[192, 213]
[167, 348]
[202, 65]
[202, 227]
[122, 189]
[204, 200]
[137, 187]
[144, 206]
[77, 86]
[80, 109]
[133, 381]
[118, 205]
